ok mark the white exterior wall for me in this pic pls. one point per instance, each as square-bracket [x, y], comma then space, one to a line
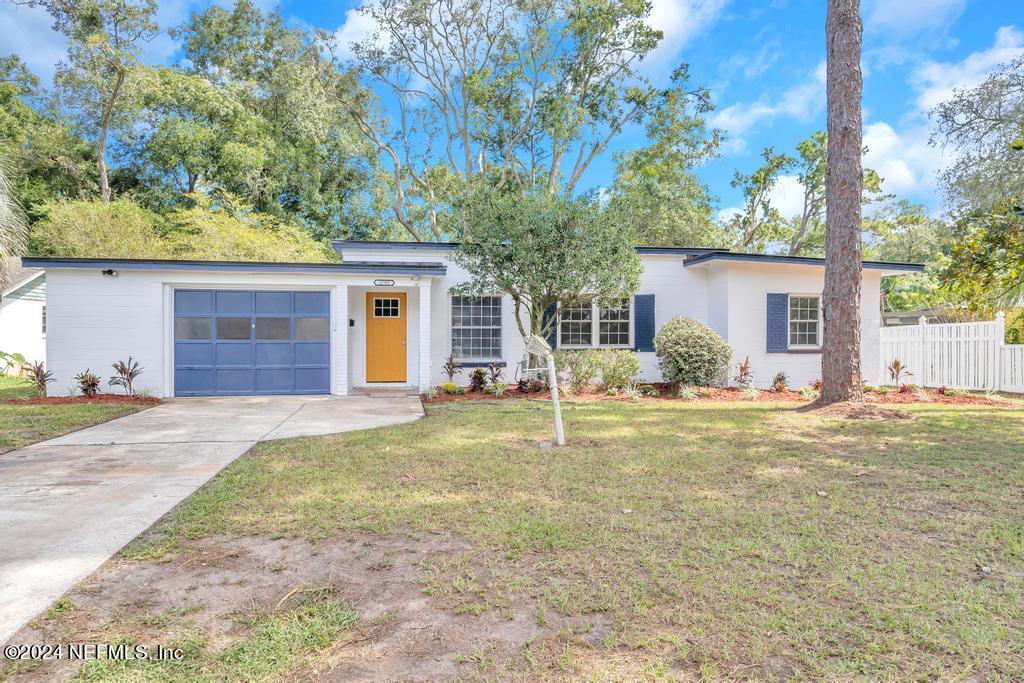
[745, 286]
[730, 296]
[21, 328]
[94, 320]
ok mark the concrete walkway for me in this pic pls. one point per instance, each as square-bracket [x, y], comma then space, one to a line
[70, 503]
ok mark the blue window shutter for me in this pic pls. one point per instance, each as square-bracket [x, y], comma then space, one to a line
[549, 315]
[777, 331]
[643, 325]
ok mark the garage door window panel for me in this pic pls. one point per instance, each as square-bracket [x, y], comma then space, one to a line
[234, 328]
[193, 328]
[274, 328]
[312, 329]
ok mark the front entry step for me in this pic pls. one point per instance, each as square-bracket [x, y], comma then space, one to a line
[384, 392]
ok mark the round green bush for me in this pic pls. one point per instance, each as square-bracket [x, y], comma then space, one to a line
[691, 354]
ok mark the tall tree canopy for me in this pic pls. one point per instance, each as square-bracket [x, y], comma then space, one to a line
[99, 80]
[977, 126]
[522, 95]
[656, 184]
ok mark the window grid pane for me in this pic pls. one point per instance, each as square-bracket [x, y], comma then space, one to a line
[613, 325]
[476, 327]
[577, 327]
[386, 308]
[803, 320]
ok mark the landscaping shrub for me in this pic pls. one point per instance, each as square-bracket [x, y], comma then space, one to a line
[579, 368]
[450, 387]
[690, 353]
[494, 373]
[451, 368]
[127, 373]
[477, 379]
[744, 376]
[40, 377]
[687, 393]
[88, 383]
[618, 367]
[780, 382]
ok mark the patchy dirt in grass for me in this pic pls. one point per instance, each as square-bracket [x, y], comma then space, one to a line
[98, 398]
[854, 411]
[427, 604]
[725, 394]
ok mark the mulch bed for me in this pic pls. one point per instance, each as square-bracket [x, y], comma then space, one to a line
[97, 399]
[710, 394]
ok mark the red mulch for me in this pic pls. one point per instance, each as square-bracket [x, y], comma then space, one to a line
[711, 394]
[98, 398]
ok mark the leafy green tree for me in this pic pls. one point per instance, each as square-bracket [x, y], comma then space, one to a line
[123, 229]
[976, 124]
[197, 135]
[520, 95]
[903, 231]
[48, 161]
[759, 223]
[249, 118]
[545, 251]
[99, 79]
[987, 258]
[808, 229]
[95, 229]
[655, 185]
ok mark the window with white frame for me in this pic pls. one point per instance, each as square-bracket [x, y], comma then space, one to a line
[476, 328]
[804, 321]
[577, 328]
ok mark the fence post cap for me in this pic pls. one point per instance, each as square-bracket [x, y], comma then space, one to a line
[1000, 314]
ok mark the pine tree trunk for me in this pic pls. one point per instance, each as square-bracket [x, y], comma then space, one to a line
[840, 359]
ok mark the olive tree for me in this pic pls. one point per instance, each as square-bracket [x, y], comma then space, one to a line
[545, 252]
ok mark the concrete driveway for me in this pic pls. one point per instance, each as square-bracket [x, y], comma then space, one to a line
[70, 503]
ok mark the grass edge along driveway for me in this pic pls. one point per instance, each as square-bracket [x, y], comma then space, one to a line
[22, 424]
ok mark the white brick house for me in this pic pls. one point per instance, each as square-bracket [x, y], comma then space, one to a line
[386, 316]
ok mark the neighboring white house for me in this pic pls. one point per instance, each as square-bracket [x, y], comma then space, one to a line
[386, 317]
[23, 315]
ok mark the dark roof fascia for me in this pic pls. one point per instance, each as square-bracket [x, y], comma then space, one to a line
[795, 261]
[376, 244]
[341, 245]
[382, 268]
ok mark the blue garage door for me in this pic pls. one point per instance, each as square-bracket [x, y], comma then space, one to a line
[232, 342]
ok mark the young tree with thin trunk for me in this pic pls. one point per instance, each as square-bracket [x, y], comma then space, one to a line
[844, 180]
[104, 40]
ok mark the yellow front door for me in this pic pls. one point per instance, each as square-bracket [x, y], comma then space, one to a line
[385, 337]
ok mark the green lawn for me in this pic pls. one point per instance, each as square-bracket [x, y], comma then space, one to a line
[718, 541]
[22, 424]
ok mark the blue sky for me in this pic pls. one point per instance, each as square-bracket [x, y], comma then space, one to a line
[763, 61]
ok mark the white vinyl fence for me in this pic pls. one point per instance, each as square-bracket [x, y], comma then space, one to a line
[962, 355]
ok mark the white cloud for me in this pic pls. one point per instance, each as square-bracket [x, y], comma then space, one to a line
[29, 35]
[680, 21]
[904, 159]
[901, 18]
[788, 196]
[936, 81]
[357, 27]
[801, 102]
